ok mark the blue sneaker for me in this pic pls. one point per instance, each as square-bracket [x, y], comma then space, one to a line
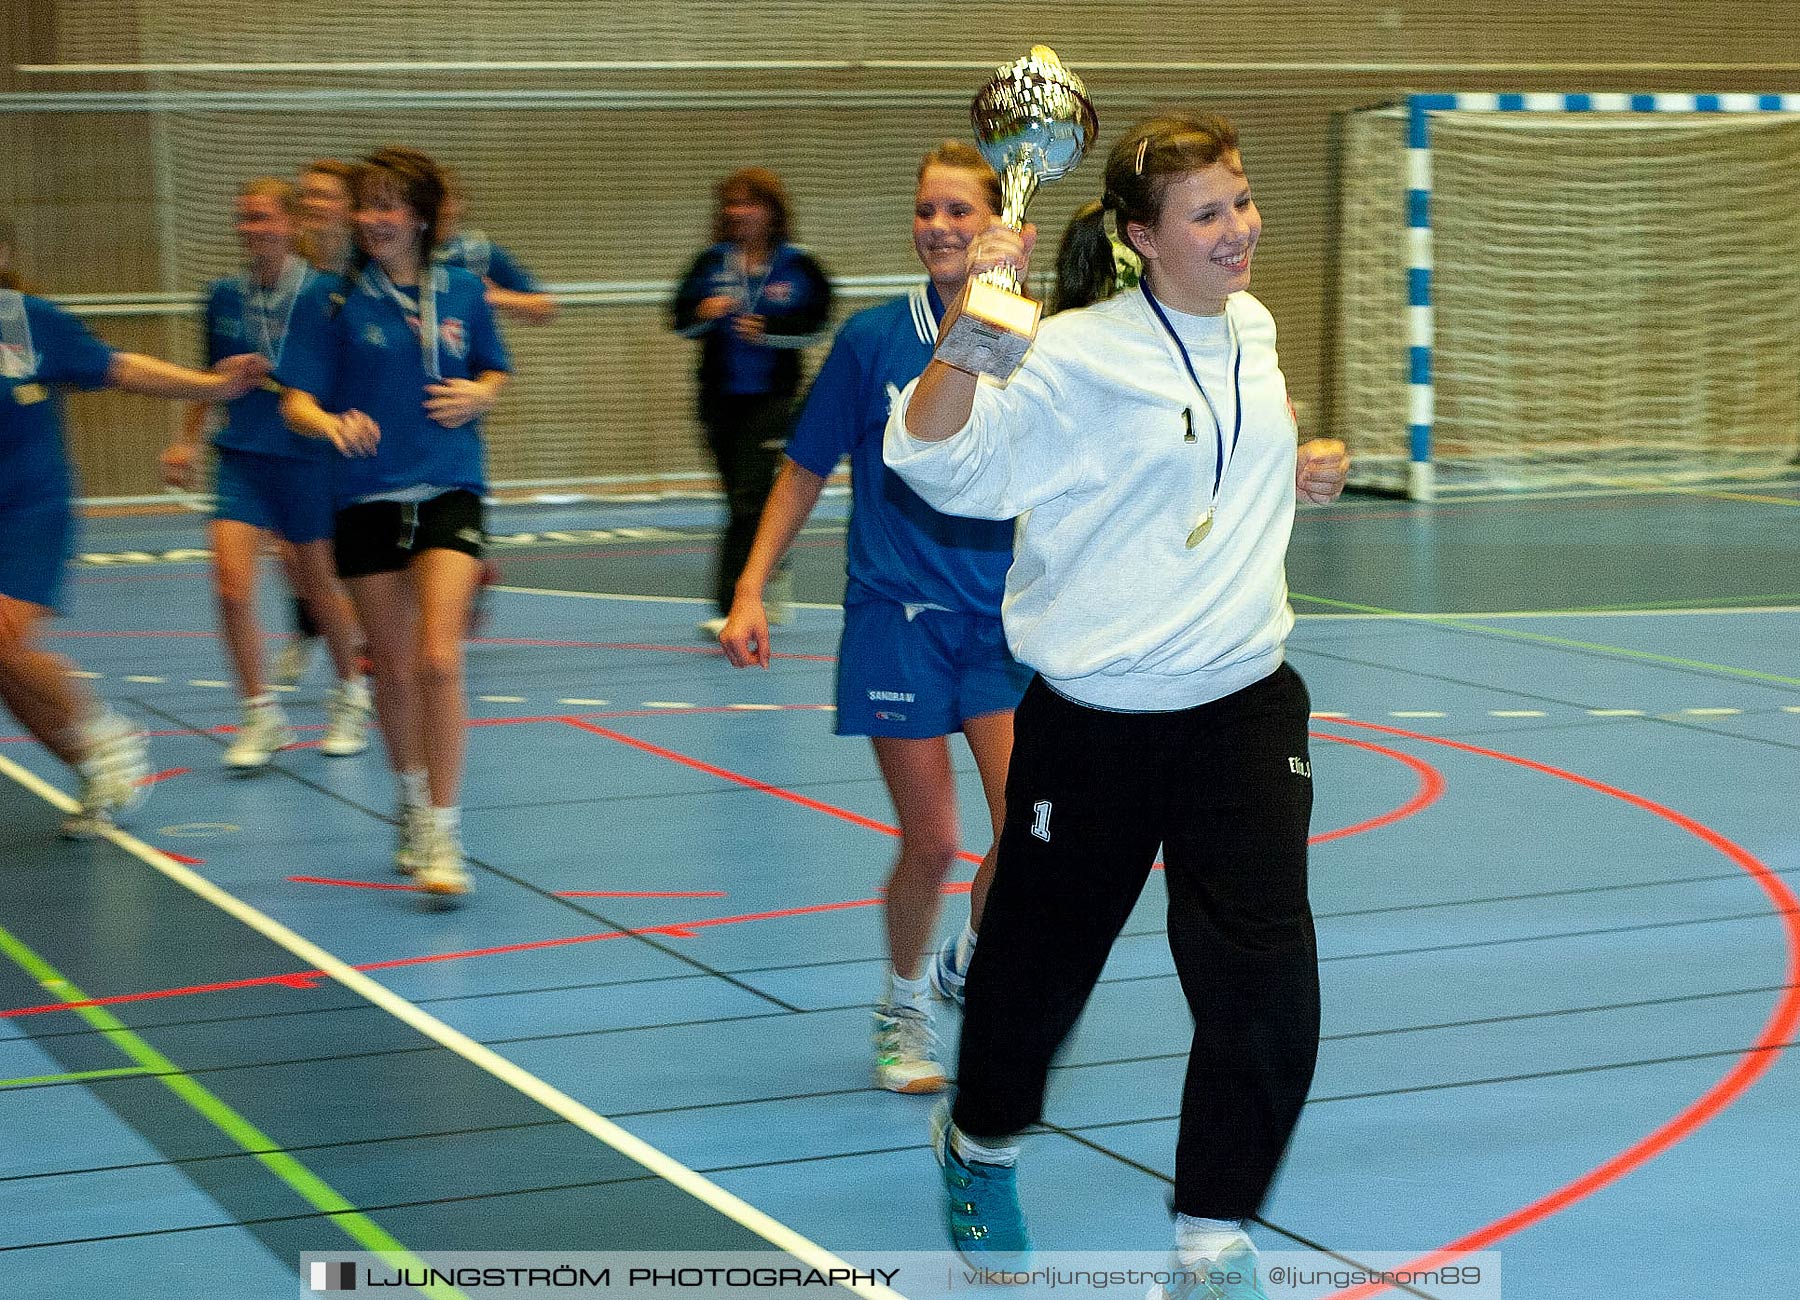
[981, 1204]
[1231, 1276]
[945, 976]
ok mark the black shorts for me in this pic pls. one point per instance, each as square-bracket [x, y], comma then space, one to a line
[384, 536]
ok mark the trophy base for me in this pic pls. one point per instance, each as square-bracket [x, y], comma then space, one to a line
[993, 333]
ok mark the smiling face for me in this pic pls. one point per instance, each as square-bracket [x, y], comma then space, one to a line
[387, 226]
[951, 208]
[324, 203]
[1198, 250]
[264, 228]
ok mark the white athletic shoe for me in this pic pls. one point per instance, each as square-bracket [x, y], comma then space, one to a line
[906, 1050]
[443, 877]
[346, 720]
[295, 657]
[263, 732]
[414, 839]
[112, 775]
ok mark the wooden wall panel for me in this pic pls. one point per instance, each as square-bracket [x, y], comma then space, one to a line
[622, 194]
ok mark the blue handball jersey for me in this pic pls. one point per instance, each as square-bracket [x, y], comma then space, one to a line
[241, 317]
[41, 346]
[899, 547]
[366, 354]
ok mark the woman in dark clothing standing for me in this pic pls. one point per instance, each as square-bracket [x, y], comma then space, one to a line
[754, 300]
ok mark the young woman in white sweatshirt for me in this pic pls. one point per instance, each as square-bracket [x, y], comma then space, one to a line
[1149, 448]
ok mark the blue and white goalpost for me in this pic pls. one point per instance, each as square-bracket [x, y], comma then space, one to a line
[1421, 110]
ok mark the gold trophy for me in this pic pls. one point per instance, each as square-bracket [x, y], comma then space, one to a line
[1033, 123]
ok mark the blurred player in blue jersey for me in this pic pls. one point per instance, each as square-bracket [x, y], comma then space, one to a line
[270, 482]
[923, 654]
[43, 348]
[396, 369]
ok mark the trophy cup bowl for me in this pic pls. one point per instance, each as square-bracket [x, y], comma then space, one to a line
[1033, 123]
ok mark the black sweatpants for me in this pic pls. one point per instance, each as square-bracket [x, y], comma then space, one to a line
[746, 434]
[1226, 789]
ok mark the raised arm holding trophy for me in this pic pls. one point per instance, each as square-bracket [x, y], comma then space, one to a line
[1033, 123]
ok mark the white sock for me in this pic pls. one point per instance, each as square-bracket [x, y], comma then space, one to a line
[356, 688]
[414, 792]
[449, 820]
[972, 1151]
[907, 993]
[965, 948]
[264, 701]
[1198, 1240]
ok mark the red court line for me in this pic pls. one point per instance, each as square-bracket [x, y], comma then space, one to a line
[306, 979]
[620, 893]
[674, 929]
[1750, 1066]
[726, 774]
[1431, 789]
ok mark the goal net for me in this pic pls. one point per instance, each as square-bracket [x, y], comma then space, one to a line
[1608, 298]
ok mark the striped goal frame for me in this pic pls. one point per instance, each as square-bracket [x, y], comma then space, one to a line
[1421, 108]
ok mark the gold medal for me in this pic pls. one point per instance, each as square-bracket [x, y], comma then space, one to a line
[1201, 529]
[30, 394]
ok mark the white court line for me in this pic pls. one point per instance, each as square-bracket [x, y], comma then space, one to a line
[633, 1148]
[1331, 618]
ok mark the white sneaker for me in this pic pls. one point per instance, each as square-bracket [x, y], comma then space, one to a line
[414, 840]
[346, 720]
[112, 776]
[906, 1050]
[115, 766]
[709, 628]
[443, 876]
[263, 732]
[295, 657]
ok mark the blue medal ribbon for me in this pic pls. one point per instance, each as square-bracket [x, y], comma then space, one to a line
[1237, 392]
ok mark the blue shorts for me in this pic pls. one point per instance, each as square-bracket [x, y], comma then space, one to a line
[285, 495]
[36, 541]
[922, 676]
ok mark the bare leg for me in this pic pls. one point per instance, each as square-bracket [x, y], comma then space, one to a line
[923, 788]
[990, 739]
[385, 607]
[444, 583]
[236, 546]
[35, 684]
[312, 574]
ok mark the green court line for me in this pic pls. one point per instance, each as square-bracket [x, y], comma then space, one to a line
[1544, 638]
[1760, 602]
[123, 1072]
[315, 1191]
